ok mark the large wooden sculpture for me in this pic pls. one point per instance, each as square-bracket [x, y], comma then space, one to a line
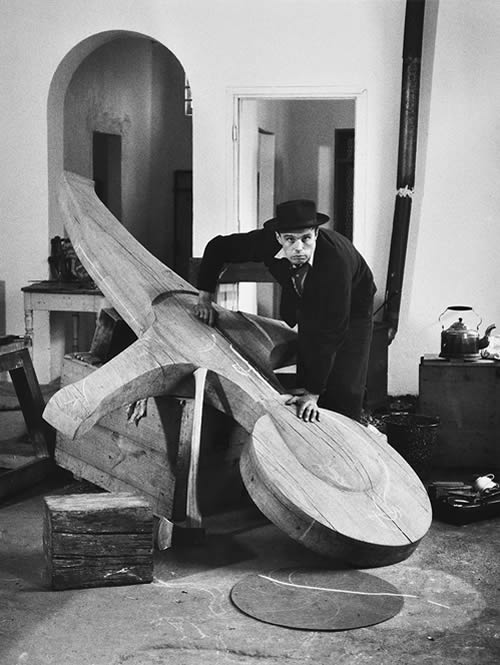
[335, 486]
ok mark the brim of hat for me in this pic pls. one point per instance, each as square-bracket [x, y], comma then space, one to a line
[321, 218]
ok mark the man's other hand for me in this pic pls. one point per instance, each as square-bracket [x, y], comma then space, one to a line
[204, 309]
[306, 403]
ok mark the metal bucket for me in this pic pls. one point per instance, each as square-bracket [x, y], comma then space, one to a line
[413, 436]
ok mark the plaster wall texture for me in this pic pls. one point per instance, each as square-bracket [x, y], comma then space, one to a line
[224, 44]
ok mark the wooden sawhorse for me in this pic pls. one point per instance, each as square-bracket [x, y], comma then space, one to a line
[18, 363]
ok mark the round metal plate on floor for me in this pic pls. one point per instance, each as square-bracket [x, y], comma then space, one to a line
[317, 599]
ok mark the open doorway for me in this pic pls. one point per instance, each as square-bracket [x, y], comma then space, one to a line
[316, 141]
[107, 170]
[319, 152]
[344, 181]
[266, 294]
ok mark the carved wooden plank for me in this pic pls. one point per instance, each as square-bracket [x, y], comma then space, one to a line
[333, 492]
[336, 486]
[141, 468]
[88, 471]
[158, 430]
[155, 441]
[183, 463]
[193, 513]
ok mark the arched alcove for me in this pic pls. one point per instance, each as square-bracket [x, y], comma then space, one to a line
[124, 85]
[121, 94]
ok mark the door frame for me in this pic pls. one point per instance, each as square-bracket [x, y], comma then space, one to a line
[334, 93]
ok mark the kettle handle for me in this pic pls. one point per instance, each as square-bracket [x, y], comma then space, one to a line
[461, 308]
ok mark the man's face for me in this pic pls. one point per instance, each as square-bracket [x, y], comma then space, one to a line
[298, 245]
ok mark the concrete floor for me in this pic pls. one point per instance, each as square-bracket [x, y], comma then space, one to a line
[185, 616]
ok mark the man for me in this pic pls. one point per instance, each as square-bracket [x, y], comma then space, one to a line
[327, 291]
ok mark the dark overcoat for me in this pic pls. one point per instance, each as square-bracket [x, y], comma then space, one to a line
[339, 287]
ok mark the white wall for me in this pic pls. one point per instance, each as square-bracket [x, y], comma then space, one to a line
[455, 232]
[312, 144]
[228, 43]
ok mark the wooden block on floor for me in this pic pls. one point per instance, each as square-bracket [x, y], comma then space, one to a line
[94, 540]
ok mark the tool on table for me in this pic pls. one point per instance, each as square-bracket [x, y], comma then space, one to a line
[459, 502]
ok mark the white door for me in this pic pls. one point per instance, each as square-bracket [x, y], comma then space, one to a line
[266, 293]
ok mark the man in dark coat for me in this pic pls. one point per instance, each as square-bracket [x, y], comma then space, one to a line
[327, 291]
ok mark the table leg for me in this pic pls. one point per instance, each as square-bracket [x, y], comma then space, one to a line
[28, 327]
[76, 331]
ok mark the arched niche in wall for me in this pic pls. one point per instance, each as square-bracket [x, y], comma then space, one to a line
[116, 114]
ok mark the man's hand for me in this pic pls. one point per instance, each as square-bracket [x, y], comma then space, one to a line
[307, 404]
[204, 309]
[137, 410]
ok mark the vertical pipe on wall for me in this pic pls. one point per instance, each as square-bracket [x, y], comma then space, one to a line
[412, 51]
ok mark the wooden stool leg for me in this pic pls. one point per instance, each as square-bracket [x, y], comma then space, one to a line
[75, 327]
[32, 404]
[18, 364]
[182, 462]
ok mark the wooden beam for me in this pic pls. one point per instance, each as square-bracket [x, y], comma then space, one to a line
[234, 272]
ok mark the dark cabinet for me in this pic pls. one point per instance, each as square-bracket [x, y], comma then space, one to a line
[466, 397]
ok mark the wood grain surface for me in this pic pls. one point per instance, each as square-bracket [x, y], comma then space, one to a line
[93, 540]
[336, 486]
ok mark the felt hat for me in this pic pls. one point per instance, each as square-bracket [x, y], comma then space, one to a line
[297, 214]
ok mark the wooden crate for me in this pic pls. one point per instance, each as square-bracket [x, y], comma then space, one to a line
[466, 397]
[93, 540]
[118, 455]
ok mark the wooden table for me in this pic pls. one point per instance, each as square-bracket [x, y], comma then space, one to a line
[54, 296]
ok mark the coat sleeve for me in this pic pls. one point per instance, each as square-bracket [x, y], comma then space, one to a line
[323, 327]
[234, 248]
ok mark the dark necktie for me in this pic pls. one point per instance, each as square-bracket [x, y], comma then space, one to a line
[298, 278]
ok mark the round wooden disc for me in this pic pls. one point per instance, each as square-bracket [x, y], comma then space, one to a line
[335, 486]
[317, 599]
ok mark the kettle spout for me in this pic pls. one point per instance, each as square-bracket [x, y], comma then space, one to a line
[484, 341]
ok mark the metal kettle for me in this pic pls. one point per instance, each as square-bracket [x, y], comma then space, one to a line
[461, 342]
